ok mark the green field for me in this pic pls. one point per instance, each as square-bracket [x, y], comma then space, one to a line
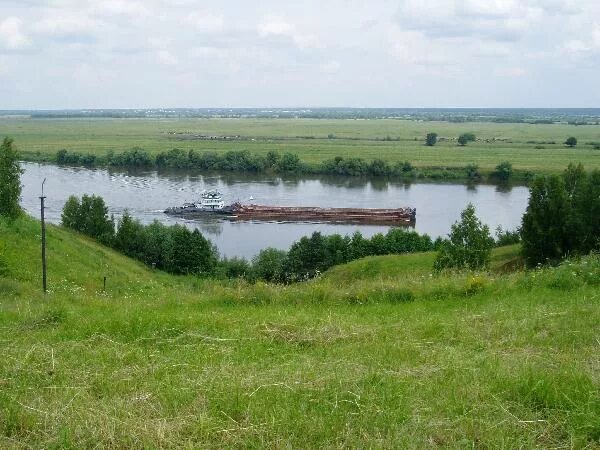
[377, 353]
[308, 138]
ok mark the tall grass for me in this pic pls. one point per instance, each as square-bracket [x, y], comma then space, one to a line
[376, 353]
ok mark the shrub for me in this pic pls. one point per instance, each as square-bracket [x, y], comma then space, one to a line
[503, 171]
[507, 237]
[268, 264]
[472, 171]
[469, 245]
[465, 138]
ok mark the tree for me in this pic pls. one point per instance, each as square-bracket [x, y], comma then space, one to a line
[10, 180]
[89, 216]
[431, 139]
[571, 142]
[190, 252]
[469, 245]
[544, 230]
[130, 237]
[71, 217]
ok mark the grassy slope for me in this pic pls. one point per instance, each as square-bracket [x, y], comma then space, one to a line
[355, 138]
[485, 360]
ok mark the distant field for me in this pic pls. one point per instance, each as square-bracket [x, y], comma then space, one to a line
[308, 138]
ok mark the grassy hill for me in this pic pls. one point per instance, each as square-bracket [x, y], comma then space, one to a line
[379, 352]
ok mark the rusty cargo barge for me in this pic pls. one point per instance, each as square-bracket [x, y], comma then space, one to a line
[314, 214]
[211, 204]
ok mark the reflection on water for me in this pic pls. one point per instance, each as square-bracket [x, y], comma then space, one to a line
[147, 194]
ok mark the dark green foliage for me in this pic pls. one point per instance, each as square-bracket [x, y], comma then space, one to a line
[465, 138]
[268, 264]
[306, 258]
[507, 237]
[431, 139]
[310, 256]
[473, 172]
[289, 163]
[130, 237]
[345, 166]
[544, 230]
[234, 268]
[10, 180]
[571, 142]
[175, 158]
[272, 159]
[90, 217]
[503, 171]
[469, 245]
[379, 168]
[64, 157]
[189, 252]
[132, 159]
[563, 216]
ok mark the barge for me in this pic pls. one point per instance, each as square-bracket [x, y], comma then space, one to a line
[211, 203]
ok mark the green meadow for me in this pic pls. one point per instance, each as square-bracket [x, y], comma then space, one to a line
[536, 148]
[376, 353]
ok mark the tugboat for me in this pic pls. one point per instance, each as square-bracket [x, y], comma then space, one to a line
[211, 202]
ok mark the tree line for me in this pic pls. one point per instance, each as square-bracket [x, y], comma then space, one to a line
[273, 162]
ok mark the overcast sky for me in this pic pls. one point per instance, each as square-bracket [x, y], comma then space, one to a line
[376, 53]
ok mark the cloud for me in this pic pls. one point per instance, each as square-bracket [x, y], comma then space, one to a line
[276, 26]
[497, 20]
[167, 58]
[206, 22]
[74, 26]
[113, 8]
[330, 67]
[11, 34]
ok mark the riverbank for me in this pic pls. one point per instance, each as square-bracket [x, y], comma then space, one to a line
[378, 352]
[530, 148]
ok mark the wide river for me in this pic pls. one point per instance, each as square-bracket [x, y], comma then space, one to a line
[146, 194]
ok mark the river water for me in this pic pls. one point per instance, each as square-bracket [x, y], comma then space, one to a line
[146, 194]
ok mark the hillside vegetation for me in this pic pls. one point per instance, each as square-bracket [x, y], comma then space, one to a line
[379, 352]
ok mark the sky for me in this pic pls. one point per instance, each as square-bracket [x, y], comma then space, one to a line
[57, 54]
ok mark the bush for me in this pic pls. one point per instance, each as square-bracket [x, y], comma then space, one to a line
[507, 237]
[268, 264]
[469, 245]
[431, 139]
[503, 171]
[465, 138]
[234, 268]
[472, 171]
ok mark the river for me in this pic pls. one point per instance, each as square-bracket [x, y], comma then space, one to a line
[146, 194]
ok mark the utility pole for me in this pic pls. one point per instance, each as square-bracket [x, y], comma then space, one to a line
[42, 197]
